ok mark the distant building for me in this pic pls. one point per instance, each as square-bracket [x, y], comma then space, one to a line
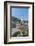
[18, 25]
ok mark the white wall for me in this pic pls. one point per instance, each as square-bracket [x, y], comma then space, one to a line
[2, 25]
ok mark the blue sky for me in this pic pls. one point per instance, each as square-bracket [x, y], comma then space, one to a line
[20, 13]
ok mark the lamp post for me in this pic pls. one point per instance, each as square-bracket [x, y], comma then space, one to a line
[21, 26]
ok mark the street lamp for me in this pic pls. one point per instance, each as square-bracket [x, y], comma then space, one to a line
[21, 27]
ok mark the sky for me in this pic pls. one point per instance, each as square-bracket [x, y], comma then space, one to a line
[21, 13]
